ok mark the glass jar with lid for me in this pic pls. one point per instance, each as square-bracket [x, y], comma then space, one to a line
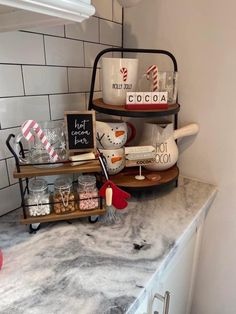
[38, 199]
[87, 192]
[64, 198]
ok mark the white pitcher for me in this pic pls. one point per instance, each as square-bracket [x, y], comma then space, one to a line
[162, 136]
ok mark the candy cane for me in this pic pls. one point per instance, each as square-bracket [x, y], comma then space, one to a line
[155, 84]
[124, 71]
[31, 124]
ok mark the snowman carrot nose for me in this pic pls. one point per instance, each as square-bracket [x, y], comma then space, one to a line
[115, 159]
[119, 133]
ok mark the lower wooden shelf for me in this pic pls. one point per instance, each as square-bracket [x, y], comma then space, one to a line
[54, 217]
[126, 178]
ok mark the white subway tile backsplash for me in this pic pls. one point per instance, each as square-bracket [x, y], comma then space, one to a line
[91, 50]
[3, 175]
[66, 102]
[53, 30]
[110, 33]
[87, 30]
[14, 111]
[11, 83]
[48, 71]
[10, 199]
[116, 54]
[61, 51]
[20, 47]
[103, 8]
[80, 79]
[96, 95]
[117, 12]
[11, 168]
[45, 80]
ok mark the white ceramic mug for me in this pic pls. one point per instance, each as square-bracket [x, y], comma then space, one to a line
[111, 134]
[119, 76]
[115, 159]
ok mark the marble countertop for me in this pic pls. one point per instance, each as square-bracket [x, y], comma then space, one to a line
[83, 268]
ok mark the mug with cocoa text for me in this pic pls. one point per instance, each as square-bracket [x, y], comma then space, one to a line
[119, 76]
[112, 134]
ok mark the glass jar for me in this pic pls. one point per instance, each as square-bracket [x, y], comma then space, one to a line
[38, 199]
[64, 198]
[87, 192]
[37, 153]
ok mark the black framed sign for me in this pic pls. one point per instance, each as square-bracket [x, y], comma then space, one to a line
[80, 131]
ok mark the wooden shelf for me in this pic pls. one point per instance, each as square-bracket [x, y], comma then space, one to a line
[100, 106]
[126, 178]
[54, 217]
[31, 171]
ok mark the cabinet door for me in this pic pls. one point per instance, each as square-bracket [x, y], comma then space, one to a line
[178, 280]
[143, 308]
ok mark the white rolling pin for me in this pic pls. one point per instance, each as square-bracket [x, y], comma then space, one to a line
[82, 159]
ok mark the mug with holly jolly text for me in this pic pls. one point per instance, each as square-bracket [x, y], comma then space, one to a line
[112, 134]
[119, 76]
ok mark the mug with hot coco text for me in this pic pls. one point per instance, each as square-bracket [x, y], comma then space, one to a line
[112, 134]
[119, 76]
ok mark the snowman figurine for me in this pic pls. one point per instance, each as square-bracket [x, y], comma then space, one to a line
[115, 160]
[113, 134]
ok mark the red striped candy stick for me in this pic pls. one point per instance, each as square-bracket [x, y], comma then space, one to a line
[154, 70]
[26, 131]
[124, 71]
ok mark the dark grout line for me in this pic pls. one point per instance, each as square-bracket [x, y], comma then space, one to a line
[39, 95]
[50, 112]
[44, 49]
[23, 81]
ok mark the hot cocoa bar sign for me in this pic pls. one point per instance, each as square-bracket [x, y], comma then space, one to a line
[80, 131]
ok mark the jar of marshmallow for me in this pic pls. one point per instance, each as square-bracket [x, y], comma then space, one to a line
[38, 199]
[87, 192]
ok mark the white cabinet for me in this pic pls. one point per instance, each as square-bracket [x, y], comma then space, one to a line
[177, 279]
[18, 14]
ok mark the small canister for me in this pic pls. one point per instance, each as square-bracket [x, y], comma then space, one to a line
[38, 198]
[64, 198]
[87, 192]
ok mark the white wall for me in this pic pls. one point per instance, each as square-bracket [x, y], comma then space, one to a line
[45, 71]
[201, 34]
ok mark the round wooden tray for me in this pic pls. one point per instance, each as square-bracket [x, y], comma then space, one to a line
[100, 106]
[126, 178]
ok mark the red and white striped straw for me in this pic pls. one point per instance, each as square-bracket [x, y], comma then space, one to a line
[124, 71]
[26, 131]
[154, 70]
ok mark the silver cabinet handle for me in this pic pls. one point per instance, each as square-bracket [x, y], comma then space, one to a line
[165, 300]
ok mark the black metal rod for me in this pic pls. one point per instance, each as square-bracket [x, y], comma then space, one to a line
[8, 143]
[123, 50]
[22, 198]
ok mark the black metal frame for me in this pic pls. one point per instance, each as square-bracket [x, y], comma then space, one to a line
[134, 113]
[25, 190]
